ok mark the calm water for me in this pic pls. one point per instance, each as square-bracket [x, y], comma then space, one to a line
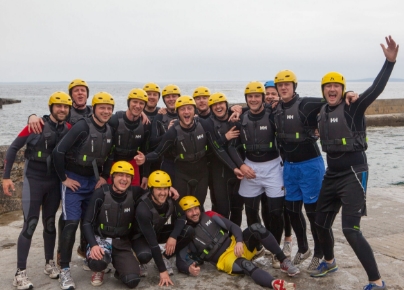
[386, 144]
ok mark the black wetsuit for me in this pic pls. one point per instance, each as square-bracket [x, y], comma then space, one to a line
[41, 188]
[123, 260]
[146, 239]
[345, 182]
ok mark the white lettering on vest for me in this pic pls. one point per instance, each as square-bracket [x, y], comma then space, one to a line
[263, 128]
[334, 120]
[289, 117]
[208, 222]
[199, 136]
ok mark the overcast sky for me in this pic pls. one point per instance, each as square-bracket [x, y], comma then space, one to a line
[185, 40]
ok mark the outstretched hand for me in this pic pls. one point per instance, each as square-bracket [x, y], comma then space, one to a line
[392, 49]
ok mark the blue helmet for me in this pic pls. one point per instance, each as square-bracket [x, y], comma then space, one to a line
[269, 84]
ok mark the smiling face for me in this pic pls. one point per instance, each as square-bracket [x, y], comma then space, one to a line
[103, 112]
[121, 181]
[333, 93]
[193, 214]
[169, 100]
[220, 110]
[79, 96]
[153, 98]
[286, 91]
[135, 109]
[186, 115]
[202, 104]
[271, 94]
[254, 102]
[160, 194]
[59, 112]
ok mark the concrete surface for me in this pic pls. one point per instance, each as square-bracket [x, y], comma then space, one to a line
[383, 228]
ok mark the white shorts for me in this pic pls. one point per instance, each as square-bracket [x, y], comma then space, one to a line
[269, 178]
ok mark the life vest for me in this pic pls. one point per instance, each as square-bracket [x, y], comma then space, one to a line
[190, 146]
[96, 147]
[167, 118]
[209, 237]
[158, 220]
[115, 219]
[127, 142]
[289, 126]
[257, 136]
[75, 115]
[221, 128]
[335, 134]
[42, 149]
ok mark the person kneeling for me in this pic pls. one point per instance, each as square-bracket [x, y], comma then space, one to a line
[107, 227]
[232, 253]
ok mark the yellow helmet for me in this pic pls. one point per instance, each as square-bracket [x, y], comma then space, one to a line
[171, 90]
[102, 98]
[333, 77]
[254, 87]
[138, 94]
[216, 98]
[60, 98]
[122, 167]
[201, 91]
[78, 82]
[159, 178]
[184, 100]
[151, 87]
[188, 202]
[286, 76]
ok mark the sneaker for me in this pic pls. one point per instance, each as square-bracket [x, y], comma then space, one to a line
[51, 270]
[279, 284]
[168, 265]
[143, 270]
[299, 258]
[276, 264]
[287, 248]
[312, 268]
[260, 253]
[325, 268]
[21, 280]
[288, 267]
[372, 286]
[66, 280]
[97, 279]
[81, 253]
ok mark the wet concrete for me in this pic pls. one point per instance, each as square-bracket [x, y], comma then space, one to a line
[383, 229]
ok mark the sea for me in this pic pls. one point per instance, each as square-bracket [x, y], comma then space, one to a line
[386, 144]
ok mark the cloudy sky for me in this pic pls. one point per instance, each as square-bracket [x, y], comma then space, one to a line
[184, 40]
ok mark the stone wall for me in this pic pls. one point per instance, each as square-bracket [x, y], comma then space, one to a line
[8, 203]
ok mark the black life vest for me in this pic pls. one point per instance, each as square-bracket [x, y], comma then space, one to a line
[167, 118]
[151, 115]
[127, 142]
[190, 146]
[158, 220]
[115, 219]
[257, 136]
[97, 146]
[42, 149]
[221, 128]
[75, 115]
[209, 237]
[335, 134]
[289, 126]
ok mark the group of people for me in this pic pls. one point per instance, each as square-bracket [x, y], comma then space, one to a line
[135, 182]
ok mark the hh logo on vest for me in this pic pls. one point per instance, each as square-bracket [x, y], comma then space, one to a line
[108, 141]
[126, 209]
[334, 120]
[263, 128]
[199, 136]
[138, 136]
[289, 117]
[208, 222]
